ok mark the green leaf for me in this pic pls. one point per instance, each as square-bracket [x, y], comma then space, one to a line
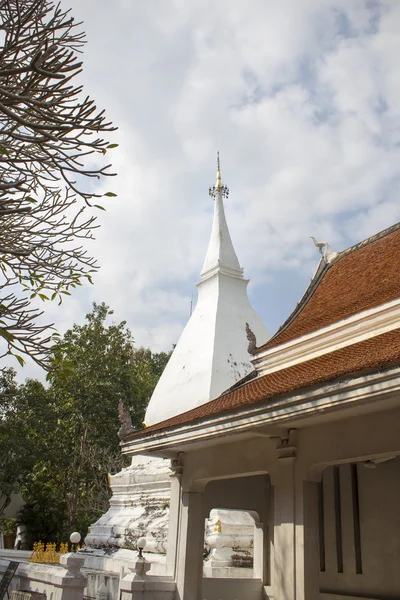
[54, 295]
[20, 360]
[4, 151]
[112, 146]
[43, 297]
[110, 194]
[6, 335]
[98, 206]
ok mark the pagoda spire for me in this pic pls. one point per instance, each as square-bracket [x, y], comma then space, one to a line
[221, 256]
[213, 350]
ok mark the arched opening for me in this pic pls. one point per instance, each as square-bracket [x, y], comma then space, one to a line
[233, 543]
[237, 514]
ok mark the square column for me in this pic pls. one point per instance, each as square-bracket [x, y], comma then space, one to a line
[173, 520]
[189, 572]
[283, 568]
[307, 540]
[295, 570]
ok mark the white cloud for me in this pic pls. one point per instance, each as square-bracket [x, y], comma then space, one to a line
[302, 98]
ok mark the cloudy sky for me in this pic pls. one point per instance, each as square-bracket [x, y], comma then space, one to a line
[301, 98]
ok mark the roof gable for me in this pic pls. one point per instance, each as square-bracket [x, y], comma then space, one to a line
[362, 277]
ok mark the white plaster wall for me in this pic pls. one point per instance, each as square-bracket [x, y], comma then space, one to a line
[379, 499]
[232, 589]
[185, 382]
[341, 439]
[231, 357]
[211, 354]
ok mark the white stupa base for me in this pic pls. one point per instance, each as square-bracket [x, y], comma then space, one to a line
[139, 507]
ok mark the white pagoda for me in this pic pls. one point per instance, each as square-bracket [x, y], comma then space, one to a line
[212, 354]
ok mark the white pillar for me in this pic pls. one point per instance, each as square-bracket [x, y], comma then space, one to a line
[307, 540]
[283, 569]
[295, 571]
[173, 523]
[258, 552]
[190, 549]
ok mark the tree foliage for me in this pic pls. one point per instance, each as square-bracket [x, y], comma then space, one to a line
[64, 438]
[49, 131]
[26, 421]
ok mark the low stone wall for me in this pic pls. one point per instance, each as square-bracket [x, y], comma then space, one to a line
[67, 582]
[147, 588]
[17, 555]
[58, 582]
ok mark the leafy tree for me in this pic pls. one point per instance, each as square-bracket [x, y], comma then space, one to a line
[95, 365]
[49, 131]
[27, 420]
[9, 466]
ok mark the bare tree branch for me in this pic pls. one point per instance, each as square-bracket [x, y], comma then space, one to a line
[48, 130]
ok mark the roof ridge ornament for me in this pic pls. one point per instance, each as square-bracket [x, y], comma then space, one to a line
[218, 187]
[252, 347]
[324, 248]
[126, 421]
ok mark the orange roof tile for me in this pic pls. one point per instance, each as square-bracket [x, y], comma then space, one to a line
[363, 277]
[369, 354]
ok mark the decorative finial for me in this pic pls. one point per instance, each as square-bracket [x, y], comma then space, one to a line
[218, 187]
[218, 183]
[324, 248]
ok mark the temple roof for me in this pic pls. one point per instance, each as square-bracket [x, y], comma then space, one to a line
[371, 354]
[361, 278]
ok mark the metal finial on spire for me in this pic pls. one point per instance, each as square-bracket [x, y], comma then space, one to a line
[218, 187]
[218, 183]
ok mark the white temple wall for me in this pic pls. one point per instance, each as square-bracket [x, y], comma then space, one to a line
[253, 495]
[241, 493]
[370, 563]
[256, 456]
[343, 442]
[359, 529]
